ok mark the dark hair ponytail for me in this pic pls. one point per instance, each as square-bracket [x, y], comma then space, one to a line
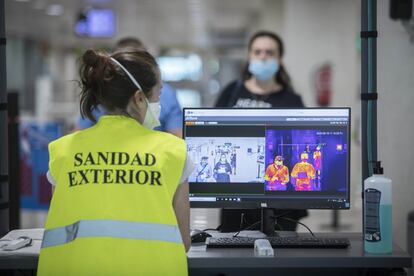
[94, 65]
[282, 75]
[283, 78]
[105, 83]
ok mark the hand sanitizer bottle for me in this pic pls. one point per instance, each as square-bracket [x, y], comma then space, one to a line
[378, 212]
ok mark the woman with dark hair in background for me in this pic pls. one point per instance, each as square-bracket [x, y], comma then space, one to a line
[265, 83]
[120, 204]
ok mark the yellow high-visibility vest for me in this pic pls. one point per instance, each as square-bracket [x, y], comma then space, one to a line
[112, 209]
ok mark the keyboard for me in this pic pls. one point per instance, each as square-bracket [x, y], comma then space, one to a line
[280, 242]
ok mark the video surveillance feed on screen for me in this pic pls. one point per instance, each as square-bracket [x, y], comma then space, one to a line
[264, 154]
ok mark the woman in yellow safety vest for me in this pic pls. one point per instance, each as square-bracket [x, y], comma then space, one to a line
[120, 203]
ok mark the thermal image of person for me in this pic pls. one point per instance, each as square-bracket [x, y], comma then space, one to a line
[317, 157]
[233, 160]
[203, 170]
[222, 170]
[303, 172]
[307, 148]
[277, 175]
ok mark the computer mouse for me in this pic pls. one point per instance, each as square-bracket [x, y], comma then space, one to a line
[199, 236]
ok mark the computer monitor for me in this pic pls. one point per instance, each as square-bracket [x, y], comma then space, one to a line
[269, 158]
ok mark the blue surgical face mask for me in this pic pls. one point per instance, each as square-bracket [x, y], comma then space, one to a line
[264, 70]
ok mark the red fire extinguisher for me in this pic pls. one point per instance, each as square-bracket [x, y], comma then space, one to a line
[323, 84]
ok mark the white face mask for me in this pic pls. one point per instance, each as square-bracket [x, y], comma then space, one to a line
[152, 115]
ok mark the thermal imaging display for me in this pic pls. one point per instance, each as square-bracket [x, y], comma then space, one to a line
[289, 158]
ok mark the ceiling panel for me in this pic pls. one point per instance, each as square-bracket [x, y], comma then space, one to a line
[156, 22]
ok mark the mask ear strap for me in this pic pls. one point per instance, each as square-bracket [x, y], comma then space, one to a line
[128, 74]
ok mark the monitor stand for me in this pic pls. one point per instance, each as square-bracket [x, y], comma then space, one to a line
[267, 225]
[233, 220]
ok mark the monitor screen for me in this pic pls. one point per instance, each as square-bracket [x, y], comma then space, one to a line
[96, 23]
[275, 158]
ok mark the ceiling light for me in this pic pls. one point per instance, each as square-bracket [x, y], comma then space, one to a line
[39, 5]
[54, 10]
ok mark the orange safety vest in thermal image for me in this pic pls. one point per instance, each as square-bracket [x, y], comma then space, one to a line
[277, 176]
[303, 172]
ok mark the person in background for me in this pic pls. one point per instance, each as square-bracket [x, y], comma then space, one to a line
[233, 161]
[171, 113]
[203, 171]
[120, 204]
[222, 170]
[317, 158]
[264, 83]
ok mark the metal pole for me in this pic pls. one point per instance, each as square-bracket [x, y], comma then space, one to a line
[14, 159]
[4, 182]
[368, 87]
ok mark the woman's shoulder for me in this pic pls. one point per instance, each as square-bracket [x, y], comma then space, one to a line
[230, 94]
[65, 138]
[290, 91]
[167, 141]
[233, 86]
[64, 142]
[294, 95]
[291, 98]
[166, 136]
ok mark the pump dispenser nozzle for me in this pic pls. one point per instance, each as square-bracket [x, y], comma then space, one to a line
[377, 167]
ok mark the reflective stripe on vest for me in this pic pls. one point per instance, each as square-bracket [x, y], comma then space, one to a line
[113, 229]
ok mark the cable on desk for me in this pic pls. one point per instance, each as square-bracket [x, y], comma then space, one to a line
[254, 224]
[218, 228]
[293, 220]
[211, 229]
[279, 226]
[243, 220]
[247, 228]
[279, 216]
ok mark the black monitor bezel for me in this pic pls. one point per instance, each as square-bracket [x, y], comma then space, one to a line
[279, 204]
